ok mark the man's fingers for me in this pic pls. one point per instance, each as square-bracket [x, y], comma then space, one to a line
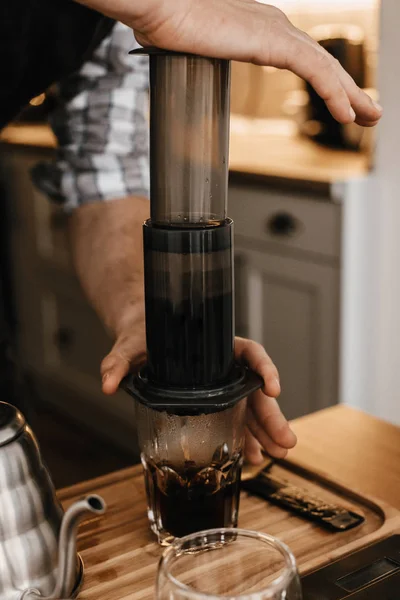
[364, 123]
[368, 112]
[127, 353]
[273, 449]
[314, 64]
[328, 86]
[345, 100]
[252, 449]
[255, 356]
[292, 49]
[115, 371]
[265, 412]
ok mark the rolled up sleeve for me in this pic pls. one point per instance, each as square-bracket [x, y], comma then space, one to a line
[102, 128]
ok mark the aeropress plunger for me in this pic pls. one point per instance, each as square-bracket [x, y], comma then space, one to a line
[191, 395]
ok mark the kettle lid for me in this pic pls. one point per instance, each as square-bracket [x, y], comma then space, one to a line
[11, 423]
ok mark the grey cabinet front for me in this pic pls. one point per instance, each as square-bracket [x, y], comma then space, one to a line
[291, 307]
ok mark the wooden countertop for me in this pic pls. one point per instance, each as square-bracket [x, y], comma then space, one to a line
[121, 555]
[353, 447]
[275, 150]
[347, 445]
[258, 149]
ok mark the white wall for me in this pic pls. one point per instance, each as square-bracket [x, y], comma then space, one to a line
[371, 278]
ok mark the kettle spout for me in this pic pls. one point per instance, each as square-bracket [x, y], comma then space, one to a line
[92, 504]
[67, 553]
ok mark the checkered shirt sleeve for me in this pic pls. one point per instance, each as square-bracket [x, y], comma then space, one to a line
[102, 128]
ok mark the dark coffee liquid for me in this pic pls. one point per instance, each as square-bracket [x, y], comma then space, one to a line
[189, 305]
[190, 344]
[193, 500]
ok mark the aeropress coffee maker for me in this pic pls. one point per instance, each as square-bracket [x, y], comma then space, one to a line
[191, 395]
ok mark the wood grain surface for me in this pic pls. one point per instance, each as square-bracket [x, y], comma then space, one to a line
[121, 555]
[350, 445]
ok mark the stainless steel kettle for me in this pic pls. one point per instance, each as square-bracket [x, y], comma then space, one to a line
[38, 557]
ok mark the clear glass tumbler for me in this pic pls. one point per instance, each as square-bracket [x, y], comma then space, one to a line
[192, 467]
[230, 564]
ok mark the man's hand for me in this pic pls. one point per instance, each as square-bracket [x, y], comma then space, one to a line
[267, 428]
[247, 31]
[106, 240]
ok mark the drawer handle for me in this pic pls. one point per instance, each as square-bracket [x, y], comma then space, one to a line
[282, 224]
[64, 338]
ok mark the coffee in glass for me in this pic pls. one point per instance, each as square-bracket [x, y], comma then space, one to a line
[192, 467]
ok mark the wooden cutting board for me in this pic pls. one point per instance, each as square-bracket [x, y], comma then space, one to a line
[121, 555]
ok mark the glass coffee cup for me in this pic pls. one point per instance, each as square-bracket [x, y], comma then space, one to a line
[192, 467]
[232, 564]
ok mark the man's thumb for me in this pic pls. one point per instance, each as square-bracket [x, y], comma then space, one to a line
[126, 354]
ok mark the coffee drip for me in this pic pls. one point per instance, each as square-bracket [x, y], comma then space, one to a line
[191, 372]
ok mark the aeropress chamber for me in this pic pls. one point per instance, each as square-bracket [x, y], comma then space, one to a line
[191, 395]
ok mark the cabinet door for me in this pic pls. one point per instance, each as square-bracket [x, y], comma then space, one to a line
[37, 221]
[291, 307]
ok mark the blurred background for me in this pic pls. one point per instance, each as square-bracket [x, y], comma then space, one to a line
[297, 181]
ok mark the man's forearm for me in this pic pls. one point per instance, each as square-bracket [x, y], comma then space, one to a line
[106, 241]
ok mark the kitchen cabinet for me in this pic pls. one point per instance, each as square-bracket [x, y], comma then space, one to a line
[290, 307]
[287, 255]
[61, 340]
[287, 282]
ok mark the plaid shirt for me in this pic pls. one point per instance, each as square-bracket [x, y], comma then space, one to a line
[102, 129]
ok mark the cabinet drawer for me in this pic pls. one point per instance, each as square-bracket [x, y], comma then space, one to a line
[286, 221]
